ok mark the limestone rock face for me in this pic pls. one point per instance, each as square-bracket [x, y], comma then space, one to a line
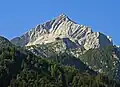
[96, 40]
[63, 27]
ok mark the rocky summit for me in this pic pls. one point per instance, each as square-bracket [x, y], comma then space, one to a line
[63, 27]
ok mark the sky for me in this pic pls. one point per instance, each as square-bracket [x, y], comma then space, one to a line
[19, 16]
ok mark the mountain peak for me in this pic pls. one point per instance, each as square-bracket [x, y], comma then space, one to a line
[63, 15]
[62, 27]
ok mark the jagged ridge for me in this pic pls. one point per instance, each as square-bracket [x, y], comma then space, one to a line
[62, 27]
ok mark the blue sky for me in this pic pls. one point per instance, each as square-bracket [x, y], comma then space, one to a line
[18, 16]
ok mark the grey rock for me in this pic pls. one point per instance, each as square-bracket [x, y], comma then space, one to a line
[63, 27]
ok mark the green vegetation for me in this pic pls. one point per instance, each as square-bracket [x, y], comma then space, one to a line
[103, 60]
[21, 68]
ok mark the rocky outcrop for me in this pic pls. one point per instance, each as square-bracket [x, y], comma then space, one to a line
[96, 40]
[63, 27]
